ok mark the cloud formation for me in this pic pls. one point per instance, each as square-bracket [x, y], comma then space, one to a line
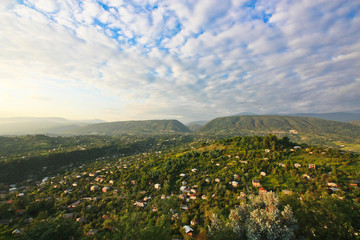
[190, 60]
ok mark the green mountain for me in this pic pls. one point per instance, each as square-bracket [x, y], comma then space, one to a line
[132, 127]
[306, 129]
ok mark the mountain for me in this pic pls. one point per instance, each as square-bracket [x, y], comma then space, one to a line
[40, 125]
[132, 127]
[335, 116]
[306, 129]
[194, 126]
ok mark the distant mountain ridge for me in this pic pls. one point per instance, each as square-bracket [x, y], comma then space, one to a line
[132, 127]
[334, 116]
[304, 127]
[40, 125]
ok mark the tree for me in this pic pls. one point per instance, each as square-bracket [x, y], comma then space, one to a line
[53, 228]
[258, 218]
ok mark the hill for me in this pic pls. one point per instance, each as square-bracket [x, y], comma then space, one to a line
[132, 128]
[225, 189]
[197, 125]
[305, 129]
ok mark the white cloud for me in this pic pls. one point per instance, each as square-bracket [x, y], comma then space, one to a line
[180, 58]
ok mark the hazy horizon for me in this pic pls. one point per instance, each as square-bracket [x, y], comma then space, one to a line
[190, 61]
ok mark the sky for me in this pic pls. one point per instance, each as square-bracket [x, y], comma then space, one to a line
[188, 60]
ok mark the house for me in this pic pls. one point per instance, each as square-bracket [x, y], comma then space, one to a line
[185, 189]
[204, 197]
[20, 211]
[68, 215]
[312, 166]
[105, 189]
[75, 204]
[147, 198]
[217, 180]
[81, 219]
[236, 176]
[140, 203]
[174, 216]
[287, 192]
[282, 165]
[157, 186]
[163, 196]
[154, 209]
[332, 184]
[241, 196]
[192, 196]
[94, 188]
[297, 147]
[245, 162]
[306, 176]
[267, 150]
[92, 232]
[256, 183]
[234, 183]
[262, 190]
[208, 180]
[183, 183]
[182, 175]
[193, 222]
[262, 173]
[354, 183]
[182, 196]
[188, 230]
[184, 207]
[297, 165]
[111, 182]
[17, 231]
[194, 170]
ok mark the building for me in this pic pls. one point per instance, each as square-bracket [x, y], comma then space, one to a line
[312, 166]
[256, 183]
[262, 190]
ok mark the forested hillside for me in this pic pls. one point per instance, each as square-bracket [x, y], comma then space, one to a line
[237, 188]
[132, 127]
[302, 129]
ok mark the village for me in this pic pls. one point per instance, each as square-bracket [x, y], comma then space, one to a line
[179, 187]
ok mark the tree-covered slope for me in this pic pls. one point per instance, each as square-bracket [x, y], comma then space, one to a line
[294, 125]
[237, 188]
[132, 127]
[355, 123]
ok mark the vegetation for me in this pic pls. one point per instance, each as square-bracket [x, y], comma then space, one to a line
[303, 129]
[181, 186]
[132, 127]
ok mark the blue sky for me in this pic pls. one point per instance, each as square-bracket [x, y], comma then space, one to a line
[185, 60]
